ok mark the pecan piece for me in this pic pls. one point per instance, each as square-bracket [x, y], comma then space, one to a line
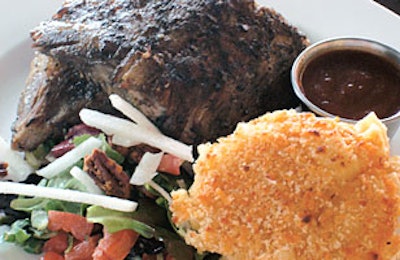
[107, 174]
[3, 169]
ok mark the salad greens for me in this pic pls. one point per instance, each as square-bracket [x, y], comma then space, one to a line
[24, 235]
[115, 221]
[146, 211]
[150, 220]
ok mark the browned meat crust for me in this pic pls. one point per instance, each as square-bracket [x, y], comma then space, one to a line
[195, 68]
[53, 97]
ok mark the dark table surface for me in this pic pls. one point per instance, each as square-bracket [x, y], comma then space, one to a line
[393, 5]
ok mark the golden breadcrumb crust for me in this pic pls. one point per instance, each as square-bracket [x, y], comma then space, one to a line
[289, 185]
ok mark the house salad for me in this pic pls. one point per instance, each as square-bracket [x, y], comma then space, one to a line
[102, 193]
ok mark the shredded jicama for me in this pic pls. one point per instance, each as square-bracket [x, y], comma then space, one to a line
[85, 179]
[68, 195]
[109, 124]
[126, 133]
[70, 158]
[160, 190]
[146, 170]
[132, 113]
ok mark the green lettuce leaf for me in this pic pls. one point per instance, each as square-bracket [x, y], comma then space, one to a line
[17, 232]
[115, 221]
[21, 234]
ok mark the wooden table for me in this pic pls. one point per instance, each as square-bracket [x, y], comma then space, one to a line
[393, 5]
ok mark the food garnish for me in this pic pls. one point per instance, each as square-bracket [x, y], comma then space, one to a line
[87, 182]
[67, 195]
[126, 133]
[69, 159]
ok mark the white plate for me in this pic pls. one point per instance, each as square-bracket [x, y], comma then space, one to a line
[317, 19]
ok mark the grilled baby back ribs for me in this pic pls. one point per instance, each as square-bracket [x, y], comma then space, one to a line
[195, 68]
[53, 97]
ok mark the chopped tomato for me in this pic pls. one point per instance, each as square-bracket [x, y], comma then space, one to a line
[57, 244]
[69, 222]
[51, 256]
[115, 246]
[83, 250]
[170, 164]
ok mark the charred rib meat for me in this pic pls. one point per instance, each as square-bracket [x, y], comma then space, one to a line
[195, 68]
[54, 95]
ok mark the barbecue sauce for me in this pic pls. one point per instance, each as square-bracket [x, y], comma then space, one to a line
[350, 84]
